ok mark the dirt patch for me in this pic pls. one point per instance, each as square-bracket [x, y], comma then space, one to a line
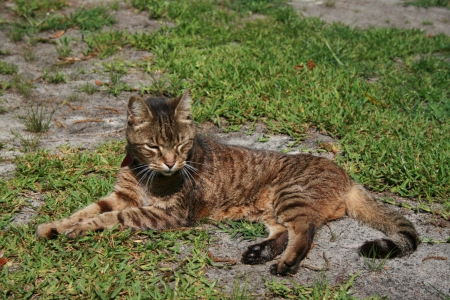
[84, 120]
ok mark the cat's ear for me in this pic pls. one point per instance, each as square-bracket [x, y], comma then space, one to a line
[137, 110]
[182, 106]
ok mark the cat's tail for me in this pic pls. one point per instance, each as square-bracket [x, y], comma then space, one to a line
[402, 238]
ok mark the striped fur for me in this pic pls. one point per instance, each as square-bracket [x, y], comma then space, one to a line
[178, 177]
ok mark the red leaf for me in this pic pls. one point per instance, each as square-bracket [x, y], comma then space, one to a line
[98, 82]
[310, 65]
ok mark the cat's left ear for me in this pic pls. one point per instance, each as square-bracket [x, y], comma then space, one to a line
[182, 106]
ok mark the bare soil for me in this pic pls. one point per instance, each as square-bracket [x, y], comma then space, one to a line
[87, 120]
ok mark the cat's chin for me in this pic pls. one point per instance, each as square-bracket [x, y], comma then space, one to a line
[168, 173]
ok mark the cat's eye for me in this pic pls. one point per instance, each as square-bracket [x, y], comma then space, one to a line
[152, 147]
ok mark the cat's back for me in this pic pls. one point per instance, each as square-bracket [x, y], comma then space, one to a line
[259, 167]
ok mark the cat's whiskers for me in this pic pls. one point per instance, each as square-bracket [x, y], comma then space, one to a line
[185, 174]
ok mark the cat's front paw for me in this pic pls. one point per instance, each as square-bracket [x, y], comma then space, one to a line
[283, 269]
[47, 230]
[77, 230]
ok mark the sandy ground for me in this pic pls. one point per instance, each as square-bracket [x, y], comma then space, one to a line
[404, 278]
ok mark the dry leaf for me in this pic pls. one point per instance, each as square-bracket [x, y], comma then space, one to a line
[58, 34]
[3, 261]
[310, 65]
[98, 82]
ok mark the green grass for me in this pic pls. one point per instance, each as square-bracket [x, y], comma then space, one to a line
[382, 92]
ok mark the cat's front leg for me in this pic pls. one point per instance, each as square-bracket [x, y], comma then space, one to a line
[115, 201]
[135, 218]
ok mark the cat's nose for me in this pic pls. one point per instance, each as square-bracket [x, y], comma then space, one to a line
[170, 164]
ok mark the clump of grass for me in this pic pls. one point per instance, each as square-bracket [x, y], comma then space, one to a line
[330, 3]
[37, 119]
[88, 88]
[7, 68]
[54, 77]
[63, 48]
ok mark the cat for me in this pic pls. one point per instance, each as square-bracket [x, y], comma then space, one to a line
[173, 177]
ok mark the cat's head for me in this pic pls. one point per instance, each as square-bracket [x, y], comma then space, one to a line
[160, 132]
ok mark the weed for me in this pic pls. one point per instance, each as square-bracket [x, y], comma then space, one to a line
[372, 263]
[88, 88]
[7, 68]
[63, 48]
[426, 23]
[21, 84]
[54, 77]
[73, 97]
[30, 142]
[28, 54]
[37, 119]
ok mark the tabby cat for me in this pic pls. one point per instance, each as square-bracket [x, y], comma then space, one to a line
[172, 177]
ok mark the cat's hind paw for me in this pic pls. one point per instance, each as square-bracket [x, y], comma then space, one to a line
[257, 254]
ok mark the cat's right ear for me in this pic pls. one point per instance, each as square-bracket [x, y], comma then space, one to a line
[137, 110]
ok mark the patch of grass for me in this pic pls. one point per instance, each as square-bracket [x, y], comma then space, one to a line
[244, 229]
[88, 88]
[21, 85]
[36, 119]
[429, 3]
[320, 289]
[246, 71]
[54, 77]
[7, 68]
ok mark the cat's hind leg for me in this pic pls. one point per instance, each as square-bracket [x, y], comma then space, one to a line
[300, 237]
[269, 248]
